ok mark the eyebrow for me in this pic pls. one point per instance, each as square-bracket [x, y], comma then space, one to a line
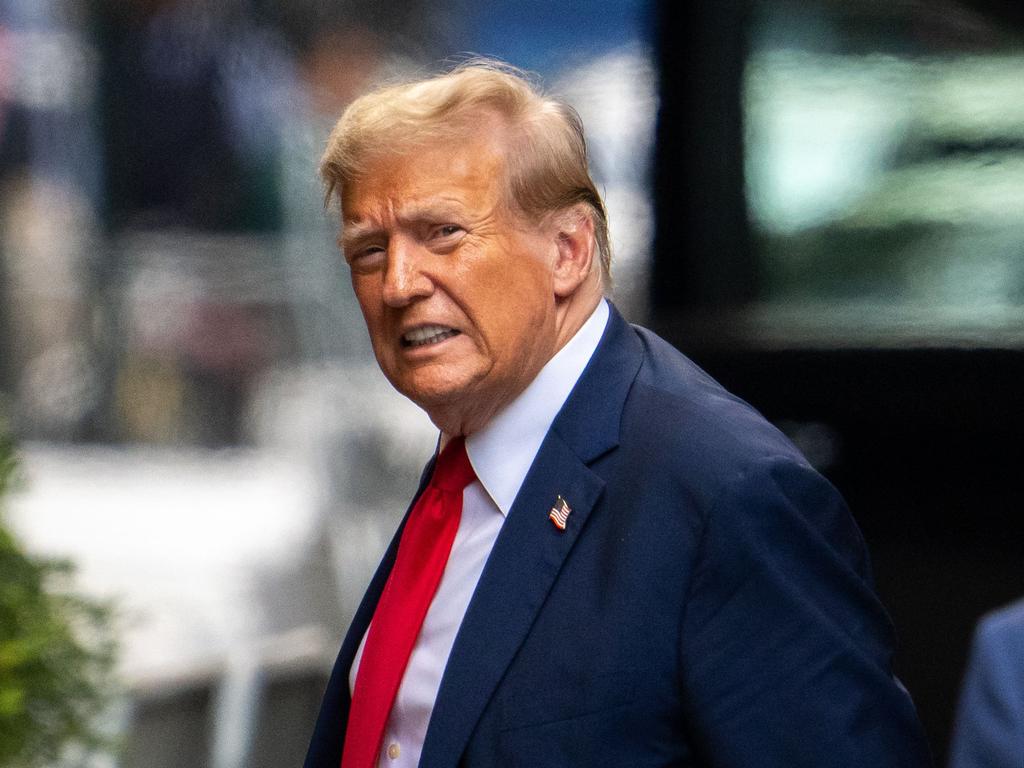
[354, 232]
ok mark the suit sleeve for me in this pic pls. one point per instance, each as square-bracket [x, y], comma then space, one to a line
[785, 649]
[989, 731]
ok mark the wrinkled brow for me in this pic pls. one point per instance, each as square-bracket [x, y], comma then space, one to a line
[438, 210]
[354, 233]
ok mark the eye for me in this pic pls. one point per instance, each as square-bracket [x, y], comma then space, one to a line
[446, 230]
[365, 257]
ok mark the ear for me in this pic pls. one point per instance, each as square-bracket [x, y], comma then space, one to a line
[576, 250]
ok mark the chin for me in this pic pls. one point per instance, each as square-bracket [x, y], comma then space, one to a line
[433, 394]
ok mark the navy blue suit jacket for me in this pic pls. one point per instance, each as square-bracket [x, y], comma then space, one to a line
[709, 603]
[989, 730]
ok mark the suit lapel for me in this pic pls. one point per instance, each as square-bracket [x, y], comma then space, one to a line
[530, 550]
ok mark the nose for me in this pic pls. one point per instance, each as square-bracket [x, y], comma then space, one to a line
[404, 278]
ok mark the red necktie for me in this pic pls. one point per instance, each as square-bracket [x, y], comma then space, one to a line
[422, 555]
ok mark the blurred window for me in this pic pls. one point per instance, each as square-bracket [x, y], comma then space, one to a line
[885, 172]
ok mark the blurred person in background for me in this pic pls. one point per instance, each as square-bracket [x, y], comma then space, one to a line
[611, 560]
[989, 730]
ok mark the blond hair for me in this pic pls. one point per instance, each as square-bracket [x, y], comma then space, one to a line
[546, 158]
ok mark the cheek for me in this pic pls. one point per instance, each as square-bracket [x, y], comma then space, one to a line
[520, 277]
[521, 321]
[368, 296]
[524, 294]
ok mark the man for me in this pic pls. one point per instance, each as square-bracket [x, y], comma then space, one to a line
[989, 731]
[644, 571]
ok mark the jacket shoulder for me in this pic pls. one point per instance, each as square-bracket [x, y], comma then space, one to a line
[681, 419]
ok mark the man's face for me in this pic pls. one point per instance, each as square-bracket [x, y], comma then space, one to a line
[457, 290]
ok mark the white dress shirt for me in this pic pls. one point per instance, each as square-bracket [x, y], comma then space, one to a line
[501, 454]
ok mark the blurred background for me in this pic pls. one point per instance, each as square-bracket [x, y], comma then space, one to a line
[822, 202]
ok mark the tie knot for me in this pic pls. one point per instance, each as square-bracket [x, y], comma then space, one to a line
[452, 471]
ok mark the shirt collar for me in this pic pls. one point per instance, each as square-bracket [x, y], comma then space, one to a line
[501, 453]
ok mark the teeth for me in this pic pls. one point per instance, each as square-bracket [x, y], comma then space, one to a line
[427, 334]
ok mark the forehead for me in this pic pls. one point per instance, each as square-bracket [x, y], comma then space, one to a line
[467, 168]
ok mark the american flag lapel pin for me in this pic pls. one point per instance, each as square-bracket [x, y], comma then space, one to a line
[559, 513]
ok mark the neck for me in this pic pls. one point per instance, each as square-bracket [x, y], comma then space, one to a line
[574, 314]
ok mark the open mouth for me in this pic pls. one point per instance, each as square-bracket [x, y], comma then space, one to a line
[427, 334]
